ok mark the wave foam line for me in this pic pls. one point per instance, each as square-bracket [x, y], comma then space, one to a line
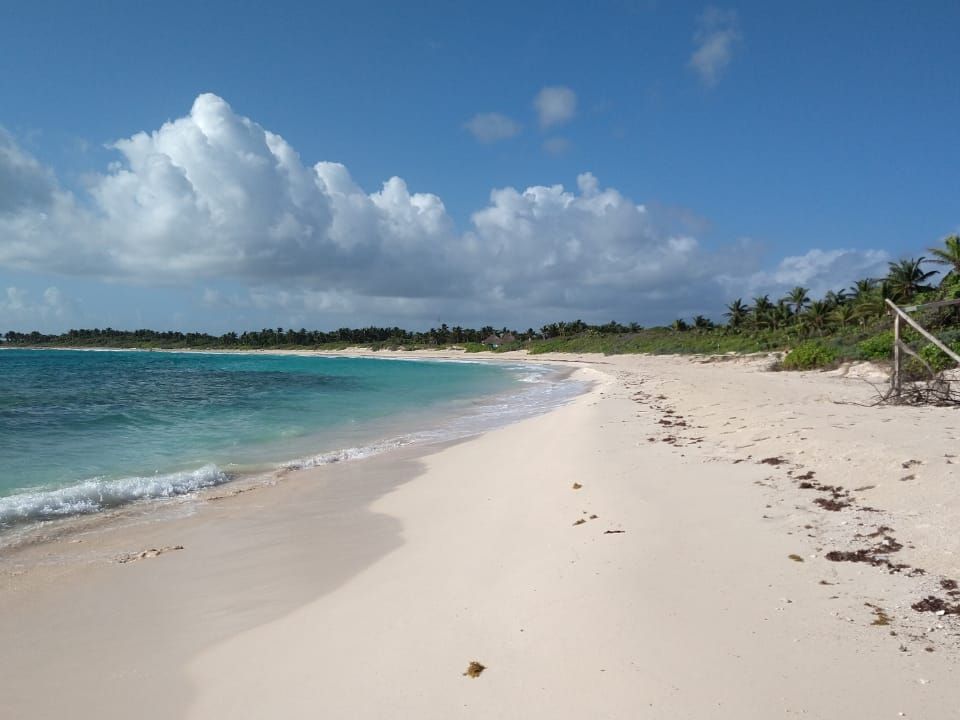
[346, 454]
[96, 494]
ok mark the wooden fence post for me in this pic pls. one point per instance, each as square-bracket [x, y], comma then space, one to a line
[896, 354]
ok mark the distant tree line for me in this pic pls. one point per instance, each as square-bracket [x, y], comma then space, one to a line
[796, 314]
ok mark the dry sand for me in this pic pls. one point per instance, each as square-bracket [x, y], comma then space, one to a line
[700, 589]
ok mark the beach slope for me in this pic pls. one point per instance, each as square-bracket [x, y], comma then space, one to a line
[646, 551]
[595, 571]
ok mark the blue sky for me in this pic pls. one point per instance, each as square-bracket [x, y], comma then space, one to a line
[732, 149]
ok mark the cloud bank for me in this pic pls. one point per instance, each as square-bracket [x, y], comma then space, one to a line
[213, 197]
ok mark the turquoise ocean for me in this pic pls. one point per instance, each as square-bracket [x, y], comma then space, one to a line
[86, 431]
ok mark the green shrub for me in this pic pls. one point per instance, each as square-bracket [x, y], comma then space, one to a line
[937, 358]
[878, 347]
[809, 355]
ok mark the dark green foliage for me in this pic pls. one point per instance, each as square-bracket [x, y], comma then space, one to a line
[878, 347]
[936, 358]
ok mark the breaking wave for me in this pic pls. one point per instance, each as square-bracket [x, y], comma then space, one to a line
[97, 494]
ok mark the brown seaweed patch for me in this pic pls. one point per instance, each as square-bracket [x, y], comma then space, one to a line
[936, 605]
[831, 504]
[773, 461]
[474, 669]
[880, 616]
[875, 555]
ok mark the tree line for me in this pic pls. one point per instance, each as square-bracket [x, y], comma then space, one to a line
[797, 313]
[907, 281]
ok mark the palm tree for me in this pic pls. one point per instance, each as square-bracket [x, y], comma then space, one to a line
[702, 323]
[835, 298]
[780, 315]
[862, 287]
[948, 255]
[843, 315]
[761, 310]
[906, 278]
[799, 297]
[817, 316]
[737, 313]
[679, 325]
[872, 304]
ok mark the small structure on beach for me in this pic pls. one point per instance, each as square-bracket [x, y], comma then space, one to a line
[495, 341]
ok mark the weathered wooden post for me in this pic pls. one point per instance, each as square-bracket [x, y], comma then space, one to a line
[896, 355]
[900, 347]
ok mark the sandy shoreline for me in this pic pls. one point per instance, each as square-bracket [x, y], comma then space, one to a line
[364, 589]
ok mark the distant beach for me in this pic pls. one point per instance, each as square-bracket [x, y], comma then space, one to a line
[690, 538]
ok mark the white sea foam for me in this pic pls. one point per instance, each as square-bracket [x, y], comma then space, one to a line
[344, 454]
[98, 494]
[541, 390]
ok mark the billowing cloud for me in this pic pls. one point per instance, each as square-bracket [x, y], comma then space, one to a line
[555, 105]
[492, 127]
[718, 32]
[214, 200]
[213, 193]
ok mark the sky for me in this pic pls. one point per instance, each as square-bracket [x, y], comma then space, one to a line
[236, 165]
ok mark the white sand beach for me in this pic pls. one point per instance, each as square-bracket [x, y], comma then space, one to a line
[652, 550]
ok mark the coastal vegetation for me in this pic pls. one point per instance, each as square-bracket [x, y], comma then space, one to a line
[845, 324]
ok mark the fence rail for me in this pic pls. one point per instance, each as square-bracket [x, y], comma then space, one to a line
[900, 348]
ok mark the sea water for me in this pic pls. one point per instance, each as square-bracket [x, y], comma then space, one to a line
[84, 431]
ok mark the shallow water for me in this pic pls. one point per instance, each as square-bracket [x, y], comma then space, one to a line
[82, 431]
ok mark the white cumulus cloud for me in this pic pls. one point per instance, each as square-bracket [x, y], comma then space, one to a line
[555, 105]
[491, 127]
[214, 200]
[718, 33]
